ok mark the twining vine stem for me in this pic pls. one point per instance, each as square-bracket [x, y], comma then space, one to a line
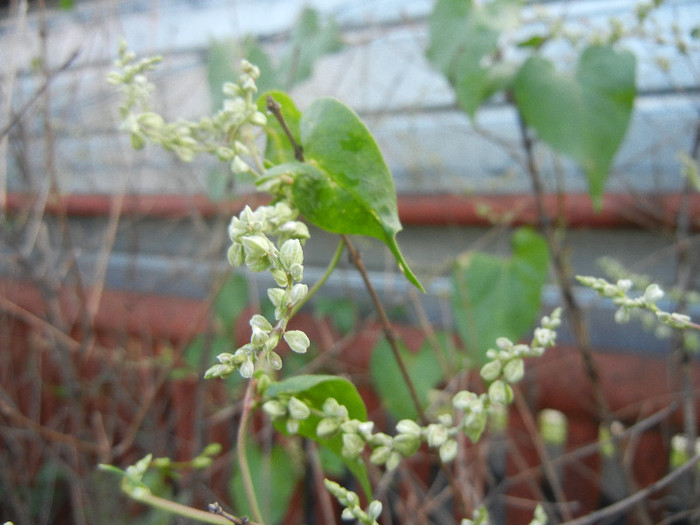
[276, 109]
[573, 312]
[241, 452]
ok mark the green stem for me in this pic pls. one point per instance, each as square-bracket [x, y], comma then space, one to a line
[240, 452]
[329, 270]
[146, 497]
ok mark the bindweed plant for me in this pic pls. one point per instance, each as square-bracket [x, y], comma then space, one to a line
[323, 164]
[346, 190]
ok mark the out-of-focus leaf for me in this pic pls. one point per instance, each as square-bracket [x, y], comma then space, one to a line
[499, 297]
[423, 368]
[464, 43]
[584, 115]
[275, 475]
[311, 39]
[231, 300]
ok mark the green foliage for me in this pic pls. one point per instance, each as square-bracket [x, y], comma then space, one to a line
[343, 185]
[314, 390]
[229, 303]
[494, 296]
[423, 367]
[311, 38]
[463, 38]
[341, 311]
[275, 474]
[346, 186]
[584, 115]
[231, 300]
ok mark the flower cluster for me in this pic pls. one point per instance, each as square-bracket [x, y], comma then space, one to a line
[131, 76]
[351, 505]
[470, 410]
[618, 292]
[251, 245]
[227, 134]
[506, 364]
[292, 409]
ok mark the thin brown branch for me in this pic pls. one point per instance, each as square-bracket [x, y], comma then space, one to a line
[393, 344]
[546, 461]
[386, 327]
[16, 117]
[686, 269]
[215, 508]
[627, 503]
[49, 433]
[275, 108]
[573, 311]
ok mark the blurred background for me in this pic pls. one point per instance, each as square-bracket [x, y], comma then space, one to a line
[115, 294]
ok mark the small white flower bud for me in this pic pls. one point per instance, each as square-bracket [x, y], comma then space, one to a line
[238, 165]
[258, 119]
[514, 370]
[653, 293]
[247, 369]
[408, 426]
[292, 425]
[327, 427]
[406, 444]
[436, 434]
[297, 340]
[332, 408]
[622, 315]
[393, 461]
[276, 296]
[504, 343]
[297, 408]
[448, 451]
[274, 408]
[365, 429]
[259, 321]
[380, 455]
[491, 370]
[465, 400]
[299, 291]
[624, 284]
[231, 90]
[374, 510]
[256, 246]
[500, 393]
[352, 445]
[291, 253]
[274, 360]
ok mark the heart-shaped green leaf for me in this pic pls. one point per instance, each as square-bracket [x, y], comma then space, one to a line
[312, 37]
[274, 479]
[314, 390]
[423, 368]
[499, 297]
[463, 45]
[346, 186]
[584, 115]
